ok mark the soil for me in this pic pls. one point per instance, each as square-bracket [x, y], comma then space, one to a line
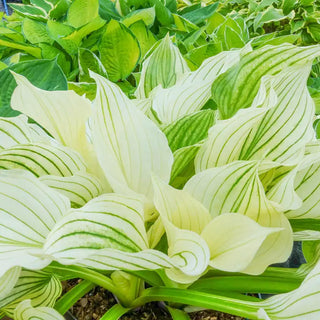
[94, 304]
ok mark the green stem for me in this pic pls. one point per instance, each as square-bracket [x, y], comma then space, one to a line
[72, 296]
[247, 284]
[237, 307]
[115, 312]
[87, 274]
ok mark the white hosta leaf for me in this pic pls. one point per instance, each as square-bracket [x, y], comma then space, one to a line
[306, 235]
[188, 251]
[107, 233]
[129, 145]
[42, 288]
[42, 159]
[25, 311]
[226, 138]
[283, 192]
[287, 127]
[62, 113]
[278, 132]
[192, 92]
[79, 188]
[299, 304]
[109, 221]
[28, 211]
[163, 67]
[8, 281]
[14, 131]
[234, 241]
[236, 187]
[228, 89]
[179, 207]
[307, 187]
[184, 218]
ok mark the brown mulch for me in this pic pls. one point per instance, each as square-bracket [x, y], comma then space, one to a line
[94, 304]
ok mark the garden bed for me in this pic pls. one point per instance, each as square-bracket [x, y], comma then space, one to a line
[96, 303]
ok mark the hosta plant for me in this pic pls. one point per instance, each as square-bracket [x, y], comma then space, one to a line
[186, 194]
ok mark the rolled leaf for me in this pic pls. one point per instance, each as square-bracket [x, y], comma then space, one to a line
[25, 311]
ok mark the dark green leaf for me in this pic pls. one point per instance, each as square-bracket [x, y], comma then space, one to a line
[45, 74]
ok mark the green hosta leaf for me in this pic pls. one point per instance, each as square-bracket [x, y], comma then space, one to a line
[314, 31]
[41, 288]
[288, 5]
[163, 67]
[200, 15]
[32, 50]
[228, 88]
[129, 145]
[116, 43]
[89, 61]
[278, 131]
[79, 188]
[144, 36]
[269, 15]
[108, 11]
[192, 92]
[183, 167]
[33, 12]
[82, 11]
[35, 31]
[84, 88]
[163, 14]
[146, 15]
[60, 8]
[190, 129]
[44, 73]
[25, 311]
[236, 187]
[27, 218]
[296, 305]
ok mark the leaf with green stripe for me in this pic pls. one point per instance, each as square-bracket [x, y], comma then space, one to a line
[79, 188]
[163, 67]
[299, 304]
[183, 165]
[129, 146]
[64, 114]
[42, 159]
[307, 187]
[25, 311]
[192, 92]
[277, 132]
[237, 88]
[107, 233]
[8, 281]
[236, 188]
[189, 130]
[41, 288]
[28, 211]
[14, 131]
